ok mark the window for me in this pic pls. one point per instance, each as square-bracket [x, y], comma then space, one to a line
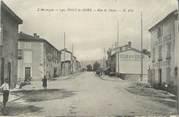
[1, 40]
[168, 74]
[153, 57]
[160, 53]
[27, 45]
[168, 50]
[20, 53]
[27, 56]
[159, 32]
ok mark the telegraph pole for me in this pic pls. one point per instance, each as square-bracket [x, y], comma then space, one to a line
[118, 46]
[141, 46]
[64, 52]
[72, 57]
[64, 40]
[177, 58]
[104, 60]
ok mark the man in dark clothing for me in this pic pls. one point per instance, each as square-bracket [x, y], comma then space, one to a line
[44, 82]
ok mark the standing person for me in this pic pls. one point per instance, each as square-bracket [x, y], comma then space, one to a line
[44, 82]
[5, 90]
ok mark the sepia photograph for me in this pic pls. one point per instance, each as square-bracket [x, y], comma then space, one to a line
[89, 58]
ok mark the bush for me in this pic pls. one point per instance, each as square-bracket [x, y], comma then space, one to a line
[170, 88]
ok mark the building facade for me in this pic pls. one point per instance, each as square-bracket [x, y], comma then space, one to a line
[163, 49]
[75, 65]
[125, 59]
[66, 62]
[8, 44]
[37, 58]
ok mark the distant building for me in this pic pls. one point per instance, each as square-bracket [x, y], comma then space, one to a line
[78, 66]
[75, 65]
[126, 61]
[66, 62]
[37, 58]
[163, 49]
[8, 44]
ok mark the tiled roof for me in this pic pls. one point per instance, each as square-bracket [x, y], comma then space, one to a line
[29, 38]
[66, 50]
[173, 13]
[11, 13]
[130, 49]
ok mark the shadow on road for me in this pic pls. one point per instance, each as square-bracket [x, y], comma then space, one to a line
[13, 109]
[44, 95]
[155, 95]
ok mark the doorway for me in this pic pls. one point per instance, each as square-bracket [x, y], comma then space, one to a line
[9, 73]
[2, 71]
[160, 76]
[27, 73]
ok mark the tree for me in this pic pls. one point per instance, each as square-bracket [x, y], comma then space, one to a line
[89, 67]
[96, 66]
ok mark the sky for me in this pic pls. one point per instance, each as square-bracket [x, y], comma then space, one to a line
[90, 31]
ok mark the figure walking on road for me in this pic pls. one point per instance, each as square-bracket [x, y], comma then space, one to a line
[44, 82]
[5, 90]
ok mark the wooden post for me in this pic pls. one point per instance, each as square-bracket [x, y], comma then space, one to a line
[64, 53]
[177, 58]
[141, 47]
[117, 47]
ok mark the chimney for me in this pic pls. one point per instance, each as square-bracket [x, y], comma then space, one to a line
[35, 35]
[129, 44]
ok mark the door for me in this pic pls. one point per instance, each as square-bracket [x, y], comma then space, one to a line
[27, 73]
[9, 73]
[168, 74]
[160, 76]
[2, 71]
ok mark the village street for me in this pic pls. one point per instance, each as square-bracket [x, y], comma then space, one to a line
[85, 94]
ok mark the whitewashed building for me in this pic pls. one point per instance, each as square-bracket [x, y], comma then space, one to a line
[66, 62]
[37, 58]
[126, 61]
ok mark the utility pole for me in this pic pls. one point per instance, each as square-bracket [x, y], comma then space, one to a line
[72, 58]
[177, 58]
[64, 52]
[118, 46]
[141, 46]
[64, 40]
[104, 59]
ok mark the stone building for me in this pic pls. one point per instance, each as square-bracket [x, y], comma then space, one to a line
[163, 49]
[66, 62]
[8, 44]
[37, 58]
[75, 65]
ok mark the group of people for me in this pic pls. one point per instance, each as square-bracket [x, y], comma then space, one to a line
[5, 89]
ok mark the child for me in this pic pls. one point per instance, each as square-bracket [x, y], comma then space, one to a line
[5, 90]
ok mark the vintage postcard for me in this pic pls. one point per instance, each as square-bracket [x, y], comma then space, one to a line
[89, 58]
